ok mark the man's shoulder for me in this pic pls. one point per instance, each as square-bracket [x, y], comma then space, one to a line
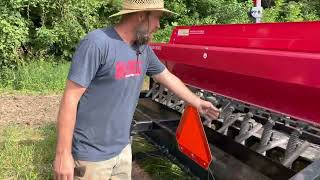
[100, 36]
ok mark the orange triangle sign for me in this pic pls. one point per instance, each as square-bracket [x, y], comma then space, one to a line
[191, 138]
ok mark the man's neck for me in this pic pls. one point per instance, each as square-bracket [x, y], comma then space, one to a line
[126, 32]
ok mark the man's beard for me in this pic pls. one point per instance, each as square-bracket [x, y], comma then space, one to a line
[142, 37]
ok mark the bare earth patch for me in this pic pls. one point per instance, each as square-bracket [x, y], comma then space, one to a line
[37, 110]
[28, 110]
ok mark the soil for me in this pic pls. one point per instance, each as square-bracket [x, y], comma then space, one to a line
[37, 110]
[33, 110]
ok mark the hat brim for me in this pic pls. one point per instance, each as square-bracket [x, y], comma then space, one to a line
[139, 10]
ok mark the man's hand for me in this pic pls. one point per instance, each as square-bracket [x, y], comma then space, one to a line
[206, 108]
[63, 166]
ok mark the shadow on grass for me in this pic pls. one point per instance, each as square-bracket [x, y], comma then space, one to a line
[27, 152]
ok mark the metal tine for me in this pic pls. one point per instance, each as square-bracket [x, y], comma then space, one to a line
[266, 135]
[245, 125]
[249, 133]
[294, 150]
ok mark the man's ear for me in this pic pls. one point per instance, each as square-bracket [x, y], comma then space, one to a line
[141, 16]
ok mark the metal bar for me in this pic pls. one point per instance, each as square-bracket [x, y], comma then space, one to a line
[141, 126]
[155, 110]
[258, 5]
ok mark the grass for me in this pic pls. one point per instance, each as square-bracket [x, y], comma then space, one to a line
[38, 77]
[157, 165]
[35, 77]
[28, 152]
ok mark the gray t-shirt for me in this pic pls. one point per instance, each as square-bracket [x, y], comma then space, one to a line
[113, 73]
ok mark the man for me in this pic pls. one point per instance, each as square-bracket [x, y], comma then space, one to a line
[102, 92]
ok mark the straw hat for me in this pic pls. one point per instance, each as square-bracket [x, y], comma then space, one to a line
[130, 6]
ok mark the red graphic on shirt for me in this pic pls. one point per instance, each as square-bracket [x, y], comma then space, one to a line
[125, 69]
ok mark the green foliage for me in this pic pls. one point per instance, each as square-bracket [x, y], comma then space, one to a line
[292, 11]
[43, 28]
[273, 14]
[65, 24]
[13, 34]
[223, 11]
[37, 76]
[164, 34]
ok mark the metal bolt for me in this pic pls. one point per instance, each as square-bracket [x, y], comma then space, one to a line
[205, 55]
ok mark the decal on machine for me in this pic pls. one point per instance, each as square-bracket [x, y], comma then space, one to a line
[183, 32]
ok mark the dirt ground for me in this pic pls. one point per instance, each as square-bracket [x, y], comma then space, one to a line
[31, 110]
[36, 110]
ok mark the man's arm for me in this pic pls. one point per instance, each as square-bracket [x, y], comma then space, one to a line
[63, 163]
[175, 85]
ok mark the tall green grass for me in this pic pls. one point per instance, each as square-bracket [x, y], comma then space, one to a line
[36, 76]
[39, 77]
